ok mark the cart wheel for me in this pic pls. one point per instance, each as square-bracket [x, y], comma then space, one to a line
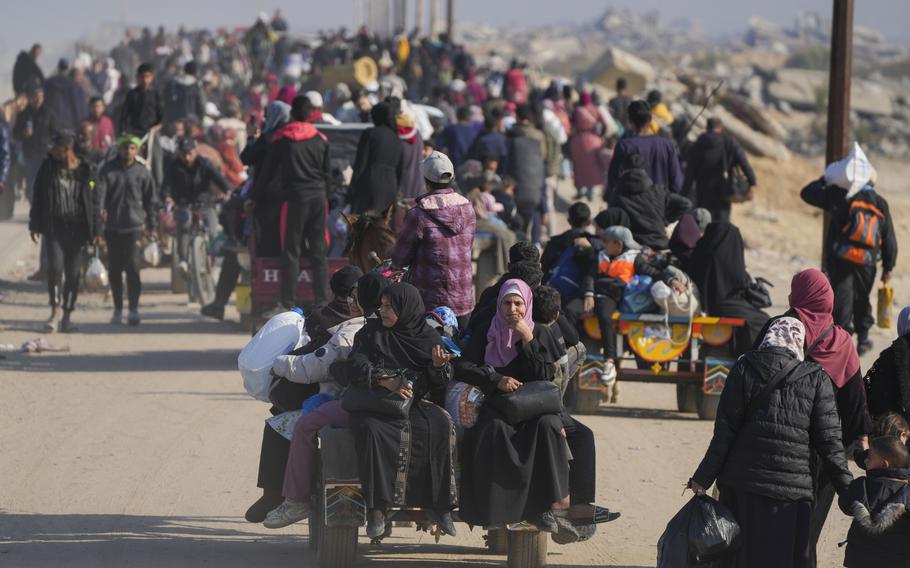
[587, 401]
[527, 549]
[686, 398]
[337, 545]
[497, 541]
[315, 522]
[706, 404]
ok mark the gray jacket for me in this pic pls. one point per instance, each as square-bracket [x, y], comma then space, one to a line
[128, 195]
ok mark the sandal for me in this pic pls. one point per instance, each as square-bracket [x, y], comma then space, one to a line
[601, 515]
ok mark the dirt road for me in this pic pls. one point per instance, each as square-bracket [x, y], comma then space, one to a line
[140, 448]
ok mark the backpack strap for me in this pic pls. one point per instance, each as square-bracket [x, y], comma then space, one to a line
[769, 388]
[819, 339]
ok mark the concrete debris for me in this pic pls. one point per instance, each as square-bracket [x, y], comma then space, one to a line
[616, 63]
[752, 141]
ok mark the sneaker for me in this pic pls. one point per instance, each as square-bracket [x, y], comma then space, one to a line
[50, 326]
[547, 523]
[213, 311]
[375, 523]
[608, 376]
[133, 318]
[286, 514]
[117, 318]
[183, 268]
[66, 324]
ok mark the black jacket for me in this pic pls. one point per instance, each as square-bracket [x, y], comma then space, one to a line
[525, 144]
[706, 166]
[296, 164]
[27, 73]
[44, 124]
[834, 200]
[536, 361]
[767, 450]
[650, 207]
[140, 111]
[44, 202]
[128, 196]
[188, 185]
[888, 380]
[66, 100]
[378, 164]
[183, 97]
[880, 506]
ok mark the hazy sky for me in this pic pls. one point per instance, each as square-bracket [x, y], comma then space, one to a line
[25, 21]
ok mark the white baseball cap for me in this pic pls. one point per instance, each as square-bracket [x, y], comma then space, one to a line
[437, 168]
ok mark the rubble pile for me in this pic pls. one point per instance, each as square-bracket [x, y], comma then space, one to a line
[775, 77]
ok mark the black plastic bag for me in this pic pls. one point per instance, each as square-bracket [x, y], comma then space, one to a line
[702, 533]
[713, 532]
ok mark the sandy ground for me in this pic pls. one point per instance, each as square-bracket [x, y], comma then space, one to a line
[140, 448]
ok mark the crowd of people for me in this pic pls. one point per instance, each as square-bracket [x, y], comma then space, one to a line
[226, 126]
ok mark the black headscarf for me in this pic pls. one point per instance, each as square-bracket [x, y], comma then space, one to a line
[614, 216]
[410, 342]
[685, 237]
[370, 287]
[383, 115]
[718, 264]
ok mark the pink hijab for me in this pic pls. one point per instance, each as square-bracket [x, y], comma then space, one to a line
[501, 339]
[812, 298]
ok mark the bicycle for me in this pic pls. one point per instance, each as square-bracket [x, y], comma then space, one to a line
[200, 264]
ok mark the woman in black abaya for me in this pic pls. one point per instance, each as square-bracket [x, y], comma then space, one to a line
[718, 269]
[512, 473]
[406, 462]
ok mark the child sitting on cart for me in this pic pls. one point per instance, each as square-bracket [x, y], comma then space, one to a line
[620, 259]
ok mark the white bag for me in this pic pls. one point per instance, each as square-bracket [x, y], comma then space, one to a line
[851, 173]
[96, 275]
[152, 254]
[279, 336]
[673, 303]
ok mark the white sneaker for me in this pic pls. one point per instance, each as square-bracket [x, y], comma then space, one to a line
[608, 376]
[183, 268]
[286, 514]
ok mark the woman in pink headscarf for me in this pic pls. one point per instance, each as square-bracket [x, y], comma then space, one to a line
[586, 144]
[514, 473]
[830, 346]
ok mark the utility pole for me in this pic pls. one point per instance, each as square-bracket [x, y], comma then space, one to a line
[839, 80]
[418, 18]
[450, 20]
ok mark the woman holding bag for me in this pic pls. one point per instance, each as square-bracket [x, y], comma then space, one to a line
[775, 410]
[404, 462]
[513, 472]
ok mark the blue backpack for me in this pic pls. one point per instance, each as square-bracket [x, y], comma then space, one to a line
[636, 298]
[567, 274]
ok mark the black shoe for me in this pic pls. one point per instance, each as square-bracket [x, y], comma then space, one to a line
[446, 523]
[258, 510]
[547, 523]
[864, 346]
[375, 523]
[213, 311]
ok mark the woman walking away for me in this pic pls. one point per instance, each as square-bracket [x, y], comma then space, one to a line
[407, 462]
[888, 380]
[775, 410]
[586, 145]
[512, 473]
[829, 345]
[378, 163]
[718, 269]
[63, 212]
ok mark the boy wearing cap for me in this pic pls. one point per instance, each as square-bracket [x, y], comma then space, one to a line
[436, 239]
[62, 213]
[125, 205]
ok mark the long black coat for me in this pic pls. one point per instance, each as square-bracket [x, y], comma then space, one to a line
[378, 164]
[767, 450]
[888, 380]
[650, 207]
[711, 155]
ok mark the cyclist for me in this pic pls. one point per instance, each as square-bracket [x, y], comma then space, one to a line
[189, 185]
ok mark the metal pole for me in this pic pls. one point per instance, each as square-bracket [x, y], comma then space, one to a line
[839, 79]
[450, 20]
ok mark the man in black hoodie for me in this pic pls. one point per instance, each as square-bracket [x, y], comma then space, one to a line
[650, 207]
[297, 172]
[27, 74]
[184, 96]
[713, 154]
